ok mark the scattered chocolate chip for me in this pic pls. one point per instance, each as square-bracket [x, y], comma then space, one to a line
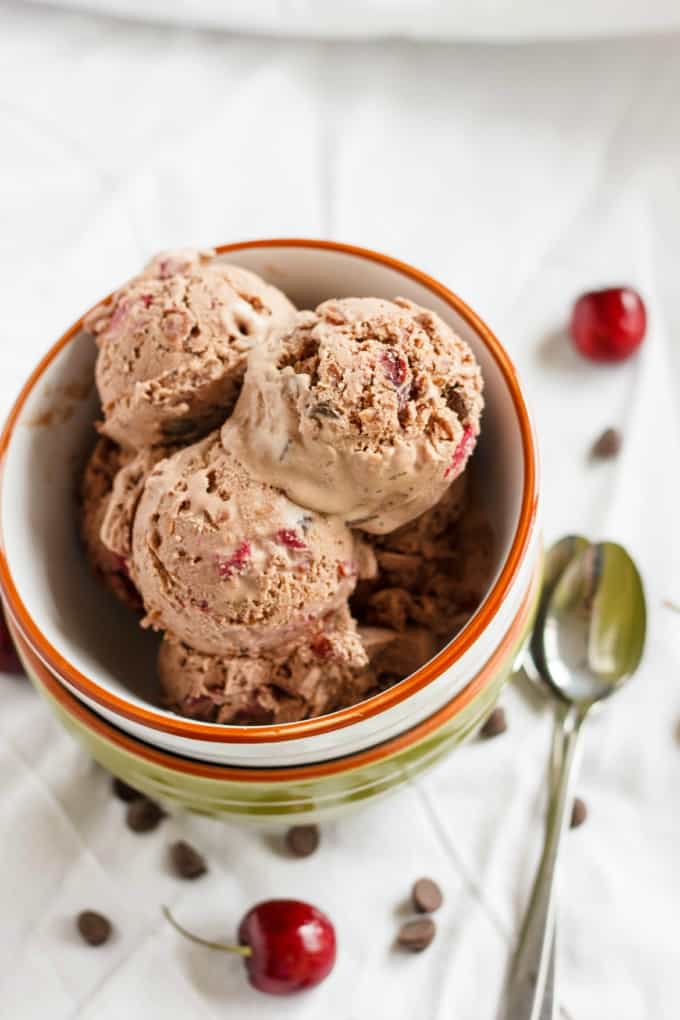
[416, 935]
[124, 792]
[303, 840]
[143, 815]
[579, 813]
[495, 724]
[608, 444]
[94, 928]
[426, 895]
[187, 861]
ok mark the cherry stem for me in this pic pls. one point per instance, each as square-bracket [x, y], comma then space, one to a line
[238, 950]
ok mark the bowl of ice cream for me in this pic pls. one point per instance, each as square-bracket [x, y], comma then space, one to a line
[272, 795]
[243, 513]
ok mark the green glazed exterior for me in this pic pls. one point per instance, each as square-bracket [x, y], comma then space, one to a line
[306, 799]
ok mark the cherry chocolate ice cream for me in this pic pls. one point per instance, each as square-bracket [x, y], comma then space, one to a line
[283, 495]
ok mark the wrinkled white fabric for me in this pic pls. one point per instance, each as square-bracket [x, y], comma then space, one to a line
[481, 20]
[519, 176]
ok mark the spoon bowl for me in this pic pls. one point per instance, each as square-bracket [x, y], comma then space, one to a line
[594, 627]
[556, 560]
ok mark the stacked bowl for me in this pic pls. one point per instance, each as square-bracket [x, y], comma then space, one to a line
[96, 668]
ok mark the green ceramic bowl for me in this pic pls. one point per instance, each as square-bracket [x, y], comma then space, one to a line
[298, 793]
[102, 657]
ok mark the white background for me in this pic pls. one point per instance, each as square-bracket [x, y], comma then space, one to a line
[519, 175]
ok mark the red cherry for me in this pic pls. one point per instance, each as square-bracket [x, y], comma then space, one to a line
[292, 944]
[9, 660]
[608, 325]
[286, 945]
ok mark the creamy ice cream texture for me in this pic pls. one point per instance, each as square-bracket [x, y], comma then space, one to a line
[173, 344]
[321, 673]
[245, 547]
[228, 563]
[103, 468]
[367, 409]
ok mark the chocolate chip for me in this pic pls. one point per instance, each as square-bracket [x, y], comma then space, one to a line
[143, 815]
[178, 427]
[303, 840]
[579, 813]
[608, 444]
[426, 895]
[495, 724]
[94, 928]
[416, 935]
[456, 402]
[124, 792]
[187, 861]
[324, 409]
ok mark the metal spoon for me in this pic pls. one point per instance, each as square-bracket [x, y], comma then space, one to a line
[556, 560]
[588, 642]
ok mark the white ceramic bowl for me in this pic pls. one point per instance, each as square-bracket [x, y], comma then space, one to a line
[94, 646]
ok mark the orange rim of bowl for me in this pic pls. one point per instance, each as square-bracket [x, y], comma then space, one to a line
[178, 763]
[196, 730]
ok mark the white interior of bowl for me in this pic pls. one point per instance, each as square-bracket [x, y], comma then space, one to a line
[86, 625]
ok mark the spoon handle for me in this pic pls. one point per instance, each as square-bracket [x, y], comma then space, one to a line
[530, 968]
[548, 1010]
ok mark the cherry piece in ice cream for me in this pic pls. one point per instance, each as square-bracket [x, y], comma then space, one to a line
[236, 563]
[396, 367]
[290, 538]
[286, 945]
[608, 325]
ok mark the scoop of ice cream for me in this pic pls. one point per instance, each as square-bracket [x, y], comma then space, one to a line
[128, 484]
[173, 343]
[105, 464]
[228, 563]
[323, 672]
[368, 409]
[433, 572]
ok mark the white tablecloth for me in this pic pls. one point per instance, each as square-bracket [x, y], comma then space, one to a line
[482, 20]
[519, 176]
